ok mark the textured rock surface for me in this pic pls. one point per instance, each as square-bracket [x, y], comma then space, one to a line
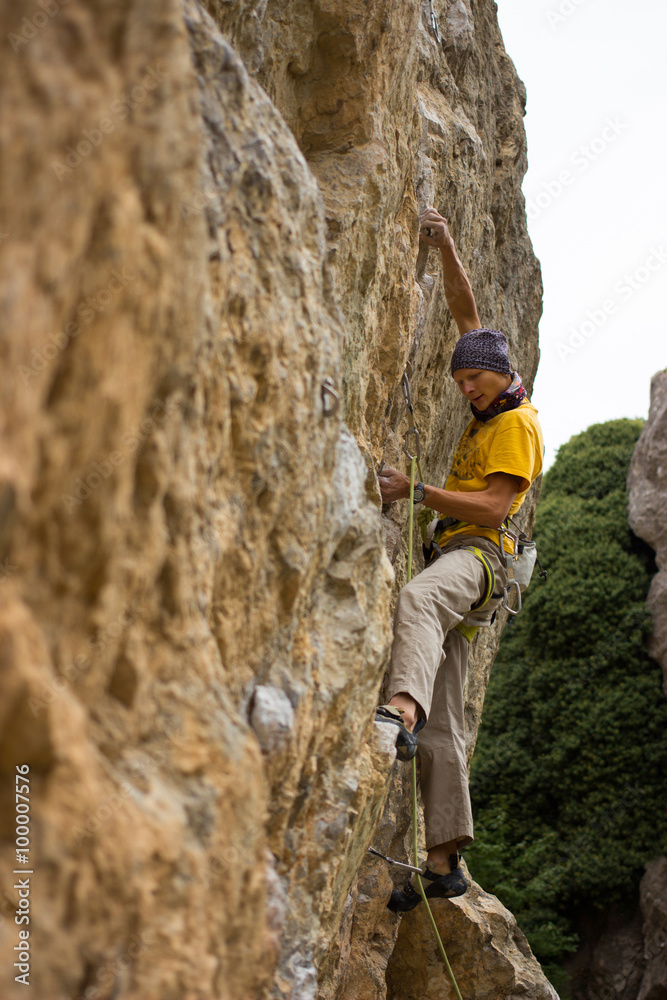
[195, 594]
[647, 483]
[610, 962]
[489, 955]
[653, 895]
[625, 953]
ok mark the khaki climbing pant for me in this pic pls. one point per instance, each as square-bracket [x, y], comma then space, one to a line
[429, 661]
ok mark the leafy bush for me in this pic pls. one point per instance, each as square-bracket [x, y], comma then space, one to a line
[568, 776]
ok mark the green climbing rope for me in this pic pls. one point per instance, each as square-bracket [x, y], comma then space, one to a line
[415, 845]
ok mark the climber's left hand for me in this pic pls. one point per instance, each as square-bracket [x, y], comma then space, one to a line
[393, 485]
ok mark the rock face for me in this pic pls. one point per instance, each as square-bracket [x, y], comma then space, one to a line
[489, 955]
[653, 895]
[647, 485]
[625, 954]
[208, 234]
[610, 963]
[625, 957]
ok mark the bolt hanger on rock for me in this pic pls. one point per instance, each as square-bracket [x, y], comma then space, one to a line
[330, 398]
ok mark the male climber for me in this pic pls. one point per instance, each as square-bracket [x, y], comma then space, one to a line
[496, 460]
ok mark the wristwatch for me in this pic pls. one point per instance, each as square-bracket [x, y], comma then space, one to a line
[419, 493]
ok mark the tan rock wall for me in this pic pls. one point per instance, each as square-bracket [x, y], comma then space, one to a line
[197, 229]
[489, 955]
[647, 486]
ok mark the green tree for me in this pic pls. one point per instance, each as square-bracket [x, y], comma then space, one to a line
[568, 778]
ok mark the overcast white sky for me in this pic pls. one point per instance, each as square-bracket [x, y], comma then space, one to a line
[595, 189]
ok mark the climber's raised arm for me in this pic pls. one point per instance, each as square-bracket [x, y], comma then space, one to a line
[458, 290]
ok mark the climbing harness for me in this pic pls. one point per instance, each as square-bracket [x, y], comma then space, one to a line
[467, 629]
[520, 561]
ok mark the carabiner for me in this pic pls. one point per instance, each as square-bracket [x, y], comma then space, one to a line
[514, 539]
[412, 432]
[506, 597]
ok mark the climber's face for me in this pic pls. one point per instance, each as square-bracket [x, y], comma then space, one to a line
[481, 386]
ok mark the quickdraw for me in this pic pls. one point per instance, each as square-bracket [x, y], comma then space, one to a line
[435, 24]
[412, 434]
[399, 864]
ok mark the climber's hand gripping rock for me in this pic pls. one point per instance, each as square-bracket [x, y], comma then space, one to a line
[393, 485]
[433, 229]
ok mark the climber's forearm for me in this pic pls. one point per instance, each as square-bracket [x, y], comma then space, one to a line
[487, 508]
[434, 232]
[458, 290]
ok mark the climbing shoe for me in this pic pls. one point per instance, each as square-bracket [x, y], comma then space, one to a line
[441, 886]
[406, 741]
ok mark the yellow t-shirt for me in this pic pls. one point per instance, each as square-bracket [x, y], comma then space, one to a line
[510, 442]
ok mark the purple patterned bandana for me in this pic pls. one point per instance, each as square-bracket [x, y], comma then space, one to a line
[483, 348]
[512, 397]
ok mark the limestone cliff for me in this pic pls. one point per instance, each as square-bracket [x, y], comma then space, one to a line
[208, 229]
[647, 486]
